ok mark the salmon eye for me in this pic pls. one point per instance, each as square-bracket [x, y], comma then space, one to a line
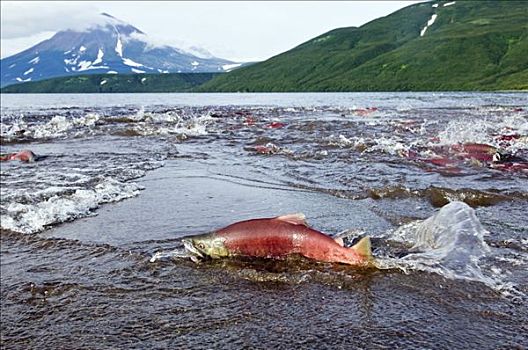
[200, 246]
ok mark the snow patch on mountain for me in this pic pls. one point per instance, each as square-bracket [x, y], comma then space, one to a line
[30, 70]
[230, 67]
[84, 65]
[71, 61]
[131, 63]
[119, 46]
[35, 60]
[429, 23]
[99, 59]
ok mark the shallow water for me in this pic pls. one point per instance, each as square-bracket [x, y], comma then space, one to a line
[126, 176]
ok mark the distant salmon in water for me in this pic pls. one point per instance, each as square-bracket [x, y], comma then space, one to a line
[277, 238]
[23, 156]
[275, 125]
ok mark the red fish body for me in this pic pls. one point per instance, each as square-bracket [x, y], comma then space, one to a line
[277, 238]
[23, 156]
[478, 151]
[275, 125]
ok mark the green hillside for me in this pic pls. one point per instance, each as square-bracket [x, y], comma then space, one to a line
[174, 82]
[472, 45]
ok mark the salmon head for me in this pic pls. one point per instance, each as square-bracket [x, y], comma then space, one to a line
[209, 245]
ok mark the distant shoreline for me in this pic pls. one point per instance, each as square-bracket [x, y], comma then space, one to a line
[162, 83]
[114, 83]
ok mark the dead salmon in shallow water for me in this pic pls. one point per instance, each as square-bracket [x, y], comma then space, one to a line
[277, 238]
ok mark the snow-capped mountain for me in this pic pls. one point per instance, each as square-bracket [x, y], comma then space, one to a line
[112, 47]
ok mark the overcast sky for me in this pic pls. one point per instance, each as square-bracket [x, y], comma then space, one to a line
[236, 30]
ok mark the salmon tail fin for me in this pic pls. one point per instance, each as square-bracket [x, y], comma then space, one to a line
[364, 248]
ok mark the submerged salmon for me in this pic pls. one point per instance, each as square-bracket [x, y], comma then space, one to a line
[277, 238]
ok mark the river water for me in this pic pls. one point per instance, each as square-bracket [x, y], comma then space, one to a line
[91, 253]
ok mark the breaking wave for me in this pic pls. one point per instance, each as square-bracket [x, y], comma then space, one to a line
[53, 206]
[23, 128]
[450, 243]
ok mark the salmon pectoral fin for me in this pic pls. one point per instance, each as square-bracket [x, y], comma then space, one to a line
[339, 241]
[295, 219]
[363, 248]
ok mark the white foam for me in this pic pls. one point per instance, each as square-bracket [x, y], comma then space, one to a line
[389, 146]
[138, 71]
[35, 60]
[342, 141]
[82, 49]
[30, 70]
[483, 131]
[171, 123]
[181, 253]
[22, 80]
[56, 127]
[32, 218]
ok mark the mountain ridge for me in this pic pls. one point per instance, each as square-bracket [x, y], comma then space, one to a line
[430, 46]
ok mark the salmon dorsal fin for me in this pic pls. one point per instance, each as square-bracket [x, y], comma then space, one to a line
[363, 247]
[295, 219]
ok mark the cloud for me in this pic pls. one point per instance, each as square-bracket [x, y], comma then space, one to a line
[154, 42]
[29, 18]
[13, 46]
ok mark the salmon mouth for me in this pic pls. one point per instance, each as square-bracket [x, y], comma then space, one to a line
[189, 246]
